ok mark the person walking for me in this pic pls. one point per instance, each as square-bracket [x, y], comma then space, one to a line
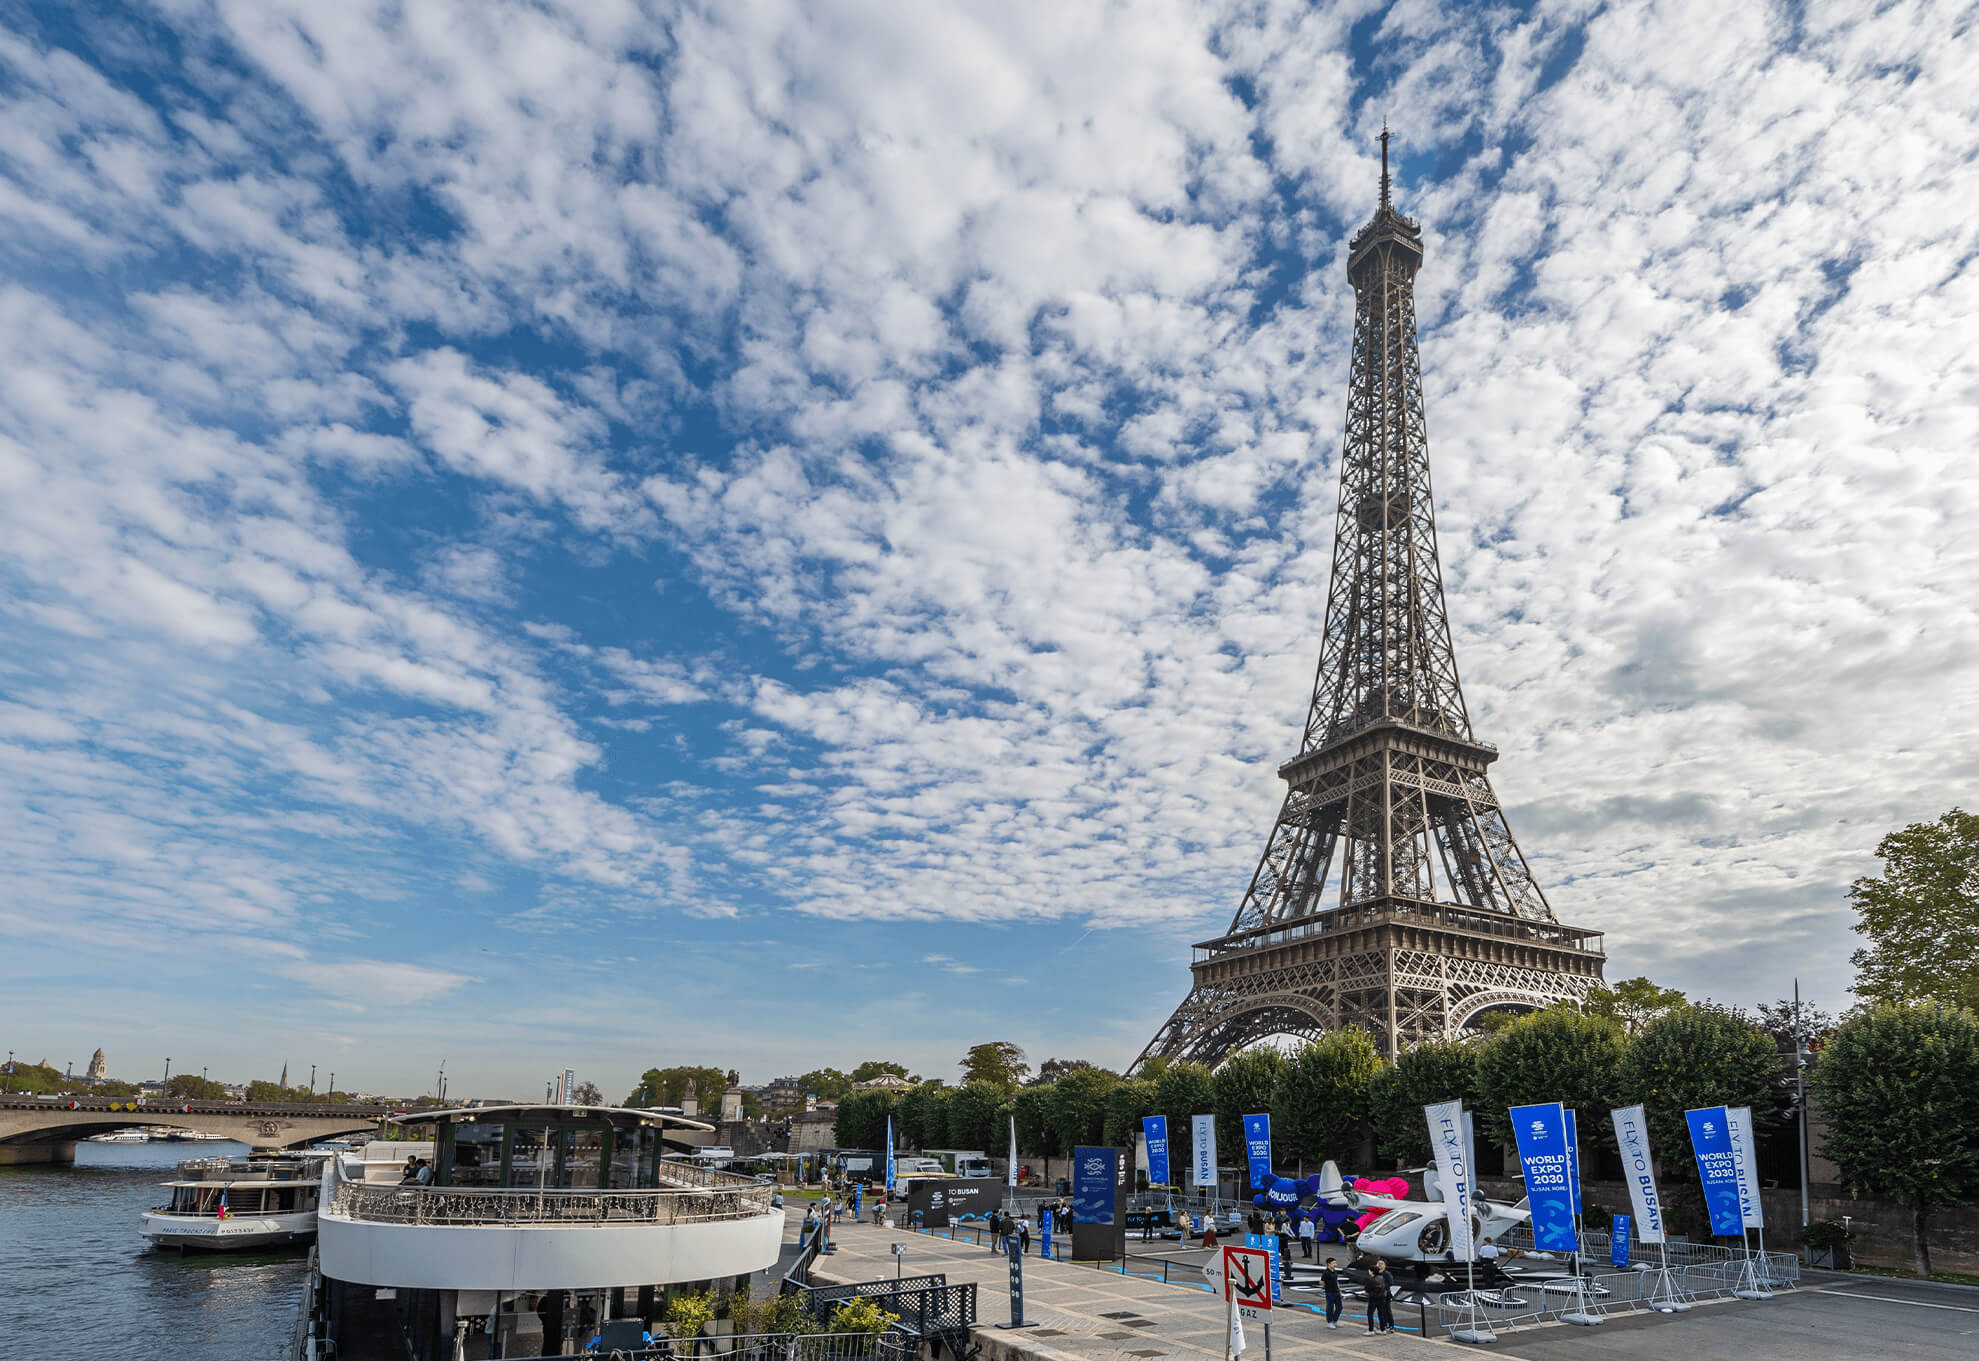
[1307, 1237]
[1024, 1237]
[1329, 1277]
[1209, 1231]
[1284, 1253]
[1380, 1292]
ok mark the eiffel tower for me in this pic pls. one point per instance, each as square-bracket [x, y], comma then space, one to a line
[1391, 895]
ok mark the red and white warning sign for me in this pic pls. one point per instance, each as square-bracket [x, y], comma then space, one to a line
[1247, 1278]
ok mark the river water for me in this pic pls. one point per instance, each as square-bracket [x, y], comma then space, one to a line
[76, 1279]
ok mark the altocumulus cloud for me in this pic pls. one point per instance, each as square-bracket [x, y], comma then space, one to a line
[680, 463]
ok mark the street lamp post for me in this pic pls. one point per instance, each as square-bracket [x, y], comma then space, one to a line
[8, 1085]
[1800, 1095]
[312, 1082]
[168, 1075]
[333, 1089]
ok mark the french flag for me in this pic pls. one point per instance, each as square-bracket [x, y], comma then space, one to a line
[222, 1213]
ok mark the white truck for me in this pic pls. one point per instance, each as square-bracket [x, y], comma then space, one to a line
[963, 1162]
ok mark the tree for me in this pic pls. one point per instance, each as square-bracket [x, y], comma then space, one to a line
[1053, 1069]
[1701, 1055]
[1127, 1104]
[1243, 1086]
[1922, 915]
[972, 1115]
[1779, 1021]
[936, 1104]
[1182, 1090]
[262, 1092]
[586, 1094]
[1632, 1003]
[1319, 1107]
[861, 1120]
[36, 1079]
[1423, 1076]
[1900, 1088]
[667, 1086]
[193, 1087]
[913, 1131]
[1075, 1112]
[873, 1068]
[1557, 1054]
[999, 1062]
[827, 1084]
[1031, 1107]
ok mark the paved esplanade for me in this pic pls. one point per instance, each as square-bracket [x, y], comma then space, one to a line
[1086, 1314]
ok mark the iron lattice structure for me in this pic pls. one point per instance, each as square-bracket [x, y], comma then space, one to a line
[1391, 894]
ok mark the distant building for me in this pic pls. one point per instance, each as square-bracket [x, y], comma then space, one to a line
[885, 1082]
[99, 1067]
[782, 1095]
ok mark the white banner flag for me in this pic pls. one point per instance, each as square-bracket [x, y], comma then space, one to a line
[1203, 1173]
[1745, 1151]
[1013, 1153]
[1632, 1138]
[1453, 1171]
[1236, 1333]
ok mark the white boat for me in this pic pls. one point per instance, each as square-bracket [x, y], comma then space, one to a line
[544, 1230]
[238, 1204]
[122, 1136]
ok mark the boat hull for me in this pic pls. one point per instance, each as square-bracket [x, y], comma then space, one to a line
[236, 1233]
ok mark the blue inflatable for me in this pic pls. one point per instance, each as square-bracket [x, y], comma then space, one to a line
[1331, 1223]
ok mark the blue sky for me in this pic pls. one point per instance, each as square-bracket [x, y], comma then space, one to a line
[781, 534]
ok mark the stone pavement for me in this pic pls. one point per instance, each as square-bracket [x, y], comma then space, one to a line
[1085, 1314]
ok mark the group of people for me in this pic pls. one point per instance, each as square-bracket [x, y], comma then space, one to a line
[418, 1172]
[1377, 1282]
[1004, 1226]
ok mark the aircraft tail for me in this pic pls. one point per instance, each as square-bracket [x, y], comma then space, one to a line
[1330, 1185]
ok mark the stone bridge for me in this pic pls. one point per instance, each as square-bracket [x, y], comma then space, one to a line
[33, 1130]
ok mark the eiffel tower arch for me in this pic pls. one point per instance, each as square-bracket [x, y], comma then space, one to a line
[1391, 894]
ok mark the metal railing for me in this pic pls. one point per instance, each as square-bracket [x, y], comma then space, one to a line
[443, 1205]
[888, 1346]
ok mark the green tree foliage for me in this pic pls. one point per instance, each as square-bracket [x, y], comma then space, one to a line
[1075, 1112]
[193, 1087]
[1900, 1088]
[1922, 915]
[1032, 1107]
[1554, 1055]
[913, 1131]
[1701, 1055]
[1182, 1090]
[1243, 1086]
[935, 1108]
[873, 1068]
[666, 1086]
[267, 1092]
[827, 1084]
[1130, 1100]
[972, 1116]
[999, 1063]
[1632, 1003]
[1053, 1069]
[1319, 1108]
[861, 1120]
[36, 1079]
[1421, 1077]
[586, 1093]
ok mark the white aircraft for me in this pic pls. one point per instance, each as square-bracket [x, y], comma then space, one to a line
[1417, 1232]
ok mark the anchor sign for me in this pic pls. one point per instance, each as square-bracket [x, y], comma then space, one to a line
[1247, 1277]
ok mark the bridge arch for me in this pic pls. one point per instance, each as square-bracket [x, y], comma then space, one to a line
[33, 1131]
[1254, 1019]
[1462, 1013]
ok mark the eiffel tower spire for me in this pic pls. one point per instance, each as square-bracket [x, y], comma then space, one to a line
[1391, 894]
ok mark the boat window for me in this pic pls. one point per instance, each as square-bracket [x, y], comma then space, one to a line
[478, 1154]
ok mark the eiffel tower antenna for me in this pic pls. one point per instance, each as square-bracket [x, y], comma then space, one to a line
[1391, 894]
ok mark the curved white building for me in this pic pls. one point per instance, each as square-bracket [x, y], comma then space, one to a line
[540, 1225]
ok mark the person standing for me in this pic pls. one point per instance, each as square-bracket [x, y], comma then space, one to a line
[1284, 1253]
[1329, 1277]
[1380, 1292]
[1024, 1237]
[1307, 1237]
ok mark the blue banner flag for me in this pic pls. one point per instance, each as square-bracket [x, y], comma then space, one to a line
[1541, 1132]
[858, 1197]
[1257, 1148]
[1573, 1162]
[1618, 1244]
[1155, 1129]
[1269, 1242]
[1093, 1175]
[1046, 1224]
[889, 1153]
[1717, 1166]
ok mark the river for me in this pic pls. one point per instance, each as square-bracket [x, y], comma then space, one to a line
[76, 1278]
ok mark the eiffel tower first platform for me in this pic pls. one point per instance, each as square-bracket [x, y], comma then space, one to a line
[1391, 895]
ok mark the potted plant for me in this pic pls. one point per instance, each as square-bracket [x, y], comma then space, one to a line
[1827, 1241]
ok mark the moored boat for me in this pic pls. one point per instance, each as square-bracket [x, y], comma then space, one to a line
[542, 1227]
[238, 1204]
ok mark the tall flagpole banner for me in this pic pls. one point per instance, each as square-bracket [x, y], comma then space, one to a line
[1155, 1129]
[889, 1153]
[1573, 1161]
[1632, 1138]
[1541, 1132]
[1717, 1168]
[1203, 1131]
[1453, 1172]
[1013, 1153]
[1257, 1148]
[1738, 1120]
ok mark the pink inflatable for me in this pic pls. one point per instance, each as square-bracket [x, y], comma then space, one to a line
[1395, 1188]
